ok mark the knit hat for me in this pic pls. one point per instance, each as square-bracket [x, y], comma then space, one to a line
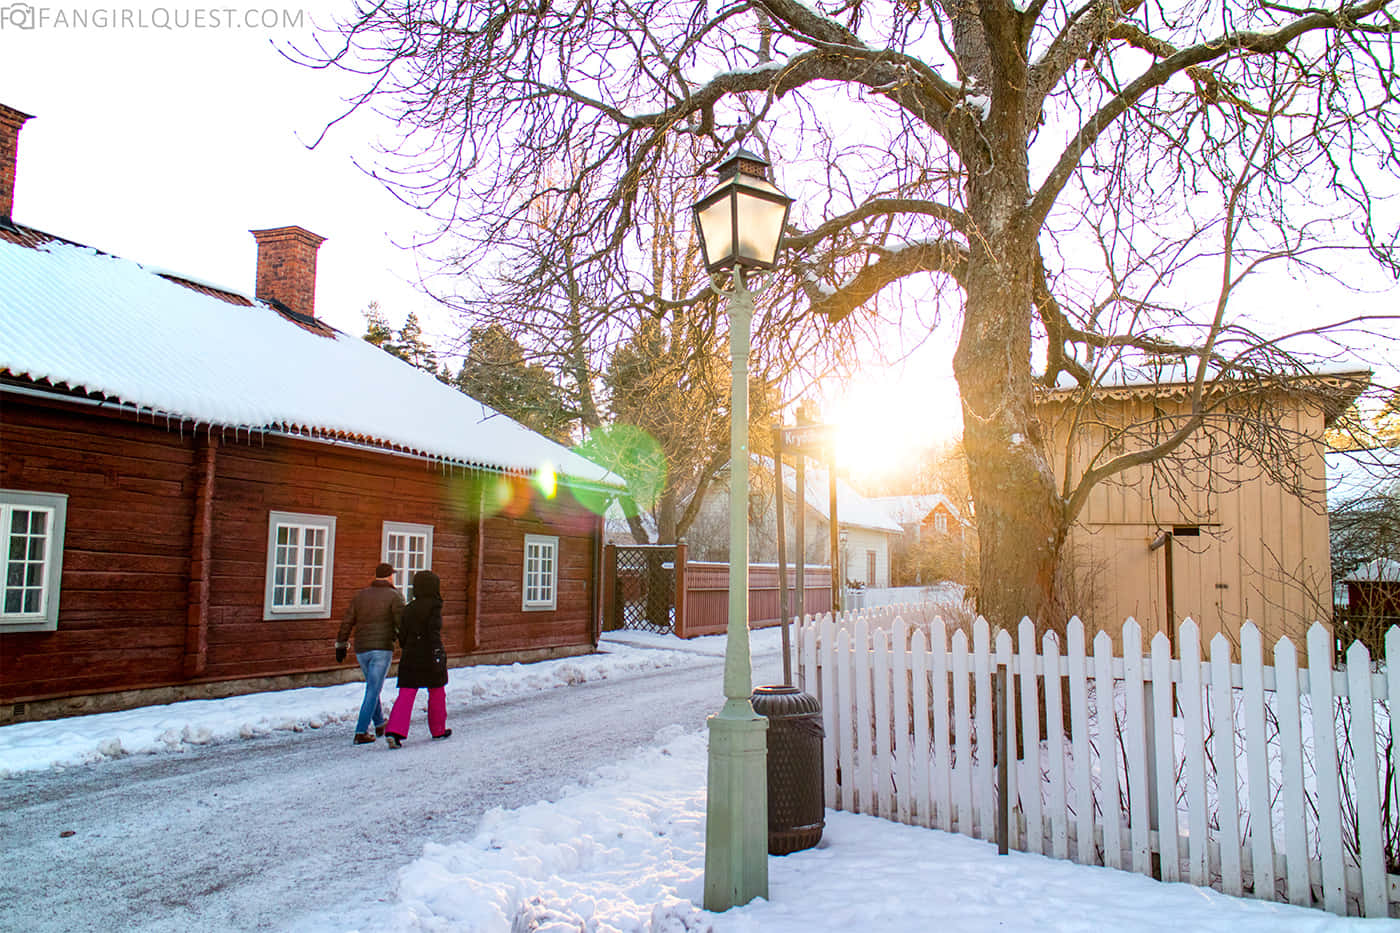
[384, 570]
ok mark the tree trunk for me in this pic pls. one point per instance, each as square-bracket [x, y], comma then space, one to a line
[1020, 518]
[666, 516]
[1012, 484]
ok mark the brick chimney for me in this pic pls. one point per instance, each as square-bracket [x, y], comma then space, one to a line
[287, 267]
[10, 122]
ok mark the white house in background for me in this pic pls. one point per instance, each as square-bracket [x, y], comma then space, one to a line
[867, 534]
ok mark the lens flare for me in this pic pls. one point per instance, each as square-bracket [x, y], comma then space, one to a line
[492, 494]
[632, 454]
[547, 481]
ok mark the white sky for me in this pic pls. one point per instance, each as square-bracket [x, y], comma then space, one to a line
[168, 146]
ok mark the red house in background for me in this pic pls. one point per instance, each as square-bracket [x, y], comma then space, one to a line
[194, 482]
[1373, 589]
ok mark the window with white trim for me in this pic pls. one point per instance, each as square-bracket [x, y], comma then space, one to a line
[31, 562]
[870, 565]
[300, 558]
[409, 548]
[541, 572]
[940, 523]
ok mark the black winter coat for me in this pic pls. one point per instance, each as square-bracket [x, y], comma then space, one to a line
[423, 662]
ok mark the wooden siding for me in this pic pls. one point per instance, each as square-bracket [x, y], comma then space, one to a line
[1261, 553]
[137, 612]
[707, 596]
[124, 591]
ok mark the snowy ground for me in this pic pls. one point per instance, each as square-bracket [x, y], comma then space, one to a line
[623, 851]
[625, 854]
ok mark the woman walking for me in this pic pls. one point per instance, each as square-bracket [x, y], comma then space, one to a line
[423, 662]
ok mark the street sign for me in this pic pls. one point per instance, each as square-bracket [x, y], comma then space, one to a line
[805, 437]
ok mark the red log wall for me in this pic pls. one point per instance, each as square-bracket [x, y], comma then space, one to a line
[131, 616]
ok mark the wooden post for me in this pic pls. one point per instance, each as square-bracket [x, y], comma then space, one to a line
[835, 534]
[201, 542]
[678, 627]
[1003, 799]
[1150, 730]
[800, 532]
[782, 558]
[1164, 540]
[609, 585]
[478, 567]
[600, 535]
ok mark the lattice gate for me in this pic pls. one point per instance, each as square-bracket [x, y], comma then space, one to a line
[643, 596]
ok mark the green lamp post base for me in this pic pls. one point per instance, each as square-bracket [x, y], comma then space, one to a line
[736, 822]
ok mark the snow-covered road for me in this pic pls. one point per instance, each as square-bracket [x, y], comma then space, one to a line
[302, 829]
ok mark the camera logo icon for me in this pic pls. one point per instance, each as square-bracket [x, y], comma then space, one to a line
[17, 16]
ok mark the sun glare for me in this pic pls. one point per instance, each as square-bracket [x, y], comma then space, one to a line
[881, 426]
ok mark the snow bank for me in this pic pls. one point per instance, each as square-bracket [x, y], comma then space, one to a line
[625, 854]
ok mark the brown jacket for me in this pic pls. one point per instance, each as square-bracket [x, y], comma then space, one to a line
[373, 616]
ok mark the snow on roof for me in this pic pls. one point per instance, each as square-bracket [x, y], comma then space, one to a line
[1147, 375]
[911, 509]
[78, 318]
[1380, 570]
[1356, 474]
[852, 508]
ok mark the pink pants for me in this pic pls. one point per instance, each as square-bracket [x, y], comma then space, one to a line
[403, 711]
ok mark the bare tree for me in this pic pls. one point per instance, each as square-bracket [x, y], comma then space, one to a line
[647, 381]
[1064, 175]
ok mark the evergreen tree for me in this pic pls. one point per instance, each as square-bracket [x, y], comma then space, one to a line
[498, 373]
[408, 344]
[413, 347]
[377, 329]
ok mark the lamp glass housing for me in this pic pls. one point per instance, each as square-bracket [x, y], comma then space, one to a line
[741, 222]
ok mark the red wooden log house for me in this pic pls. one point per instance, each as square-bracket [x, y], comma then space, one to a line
[193, 484]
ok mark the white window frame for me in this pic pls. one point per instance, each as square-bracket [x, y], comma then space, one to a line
[540, 586]
[404, 570]
[54, 506]
[872, 566]
[940, 522]
[322, 608]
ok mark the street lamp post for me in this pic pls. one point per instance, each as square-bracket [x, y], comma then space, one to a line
[741, 223]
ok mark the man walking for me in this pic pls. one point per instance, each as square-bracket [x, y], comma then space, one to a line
[373, 617]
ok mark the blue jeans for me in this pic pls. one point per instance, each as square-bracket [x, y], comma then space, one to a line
[375, 664]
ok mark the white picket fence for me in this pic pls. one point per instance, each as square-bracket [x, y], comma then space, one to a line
[1217, 771]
